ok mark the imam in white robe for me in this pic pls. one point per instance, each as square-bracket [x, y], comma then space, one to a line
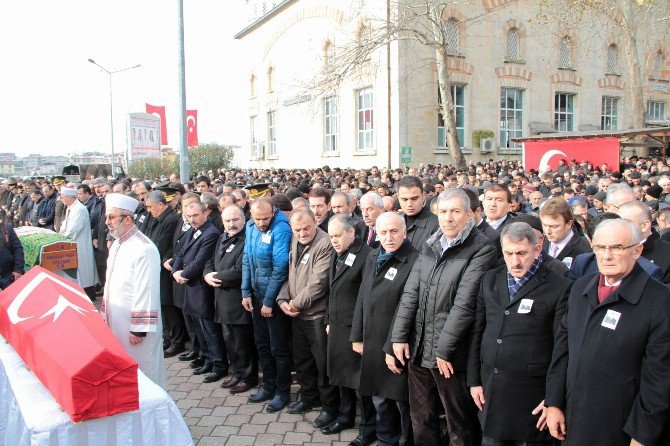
[131, 301]
[77, 227]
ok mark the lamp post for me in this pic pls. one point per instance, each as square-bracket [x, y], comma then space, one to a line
[111, 107]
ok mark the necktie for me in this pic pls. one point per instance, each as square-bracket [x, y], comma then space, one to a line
[553, 250]
[371, 236]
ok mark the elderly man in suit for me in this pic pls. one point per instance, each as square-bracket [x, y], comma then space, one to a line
[608, 380]
[372, 206]
[344, 365]
[188, 267]
[304, 297]
[224, 274]
[382, 377]
[519, 304]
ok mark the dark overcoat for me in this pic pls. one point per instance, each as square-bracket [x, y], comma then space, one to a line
[178, 240]
[378, 298]
[511, 350]
[161, 231]
[421, 226]
[344, 365]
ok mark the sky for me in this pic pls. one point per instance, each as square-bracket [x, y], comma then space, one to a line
[53, 101]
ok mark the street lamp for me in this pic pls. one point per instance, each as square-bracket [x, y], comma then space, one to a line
[111, 108]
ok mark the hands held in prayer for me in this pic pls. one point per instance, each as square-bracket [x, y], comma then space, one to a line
[167, 265]
[266, 311]
[289, 309]
[390, 363]
[178, 278]
[477, 394]
[401, 351]
[445, 367]
[246, 303]
[542, 421]
[212, 280]
[556, 423]
[357, 347]
[134, 340]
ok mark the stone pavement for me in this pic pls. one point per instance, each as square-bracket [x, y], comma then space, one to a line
[215, 417]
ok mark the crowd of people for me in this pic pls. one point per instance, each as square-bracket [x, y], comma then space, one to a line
[488, 306]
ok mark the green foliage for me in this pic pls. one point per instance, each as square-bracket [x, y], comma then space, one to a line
[152, 168]
[478, 135]
[209, 156]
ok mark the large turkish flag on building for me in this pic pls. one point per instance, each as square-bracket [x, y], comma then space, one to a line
[540, 154]
[159, 110]
[60, 336]
[192, 127]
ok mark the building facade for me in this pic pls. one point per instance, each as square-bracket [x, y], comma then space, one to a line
[512, 74]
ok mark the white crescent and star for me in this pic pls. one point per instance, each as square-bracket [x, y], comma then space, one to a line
[544, 161]
[190, 118]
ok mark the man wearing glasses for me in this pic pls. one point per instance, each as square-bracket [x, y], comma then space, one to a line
[608, 381]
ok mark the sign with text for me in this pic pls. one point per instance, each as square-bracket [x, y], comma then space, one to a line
[405, 155]
[144, 135]
[544, 154]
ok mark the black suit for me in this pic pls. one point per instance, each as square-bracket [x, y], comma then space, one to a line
[518, 344]
[199, 297]
[577, 245]
[161, 231]
[610, 366]
[365, 235]
[142, 218]
[657, 251]
[238, 333]
[179, 290]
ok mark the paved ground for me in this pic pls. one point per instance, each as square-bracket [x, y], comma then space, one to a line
[215, 417]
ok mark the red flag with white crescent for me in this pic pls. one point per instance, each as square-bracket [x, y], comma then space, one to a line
[159, 110]
[192, 127]
[545, 154]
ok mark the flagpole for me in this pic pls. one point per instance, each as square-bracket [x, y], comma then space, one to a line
[183, 147]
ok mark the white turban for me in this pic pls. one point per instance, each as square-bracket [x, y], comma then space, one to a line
[68, 191]
[120, 201]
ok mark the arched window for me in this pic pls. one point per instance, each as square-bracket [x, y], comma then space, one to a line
[612, 58]
[512, 44]
[564, 53]
[252, 86]
[270, 73]
[328, 53]
[658, 64]
[451, 36]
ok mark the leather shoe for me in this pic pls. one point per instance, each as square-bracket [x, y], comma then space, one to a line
[188, 356]
[214, 377]
[197, 363]
[240, 388]
[362, 440]
[300, 407]
[173, 350]
[230, 382]
[277, 404]
[204, 369]
[337, 427]
[263, 395]
[324, 419]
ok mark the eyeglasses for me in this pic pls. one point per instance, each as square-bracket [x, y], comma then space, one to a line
[616, 250]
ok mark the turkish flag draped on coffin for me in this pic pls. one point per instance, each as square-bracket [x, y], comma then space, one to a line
[159, 110]
[60, 336]
[540, 154]
[192, 127]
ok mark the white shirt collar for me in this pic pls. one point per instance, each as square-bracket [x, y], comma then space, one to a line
[495, 224]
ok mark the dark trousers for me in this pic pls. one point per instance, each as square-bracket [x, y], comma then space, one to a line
[368, 425]
[310, 344]
[347, 405]
[426, 388]
[174, 326]
[393, 420]
[272, 335]
[191, 329]
[213, 342]
[239, 341]
[488, 441]
[101, 255]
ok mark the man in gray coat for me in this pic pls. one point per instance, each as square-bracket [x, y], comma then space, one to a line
[434, 319]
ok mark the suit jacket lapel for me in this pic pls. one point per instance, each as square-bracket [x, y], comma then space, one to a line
[503, 289]
[529, 286]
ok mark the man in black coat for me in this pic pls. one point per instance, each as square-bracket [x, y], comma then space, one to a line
[562, 240]
[420, 222]
[224, 273]
[434, 320]
[188, 266]
[161, 231]
[519, 305]
[47, 209]
[344, 365]
[12, 262]
[384, 275]
[608, 380]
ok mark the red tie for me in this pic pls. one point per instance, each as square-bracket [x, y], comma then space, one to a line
[604, 291]
[371, 235]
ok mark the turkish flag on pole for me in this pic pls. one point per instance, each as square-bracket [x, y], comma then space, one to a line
[192, 127]
[159, 110]
[546, 153]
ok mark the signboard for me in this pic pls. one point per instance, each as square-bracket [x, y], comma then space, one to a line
[59, 256]
[405, 155]
[542, 154]
[144, 135]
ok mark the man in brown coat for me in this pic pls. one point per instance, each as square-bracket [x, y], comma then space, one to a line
[304, 297]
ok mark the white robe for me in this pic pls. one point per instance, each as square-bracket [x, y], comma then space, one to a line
[131, 302]
[77, 227]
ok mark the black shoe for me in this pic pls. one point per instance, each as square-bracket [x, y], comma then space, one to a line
[173, 350]
[214, 377]
[197, 363]
[230, 382]
[300, 407]
[324, 419]
[362, 440]
[277, 404]
[337, 427]
[189, 356]
[204, 369]
[263, 395]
